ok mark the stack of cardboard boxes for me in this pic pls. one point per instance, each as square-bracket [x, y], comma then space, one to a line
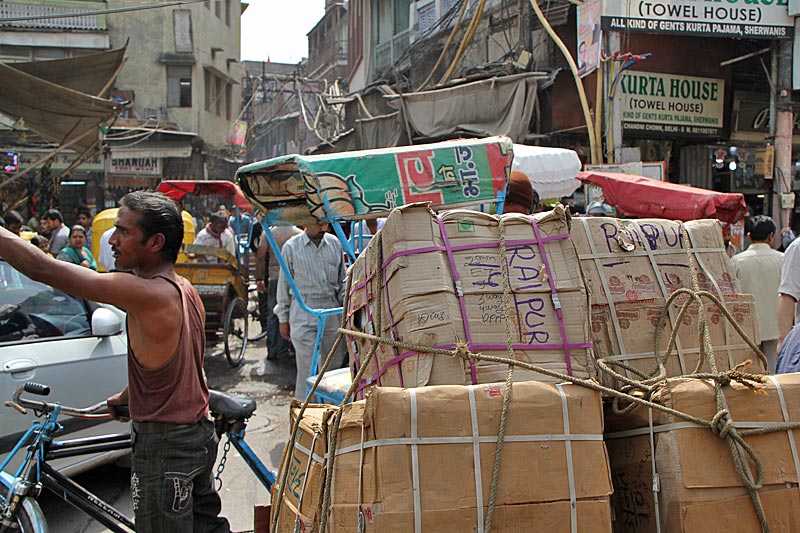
[632, 267]
[440, 284]
[420, 457]
[670, 475]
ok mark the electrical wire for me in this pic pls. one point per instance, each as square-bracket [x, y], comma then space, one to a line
[470, 33]
[446, 45]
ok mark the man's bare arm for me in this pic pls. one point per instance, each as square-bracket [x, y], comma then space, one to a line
[120, 289]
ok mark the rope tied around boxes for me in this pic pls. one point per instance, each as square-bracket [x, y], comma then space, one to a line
[634, 392]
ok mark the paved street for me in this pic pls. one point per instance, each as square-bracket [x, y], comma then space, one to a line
[269, 383]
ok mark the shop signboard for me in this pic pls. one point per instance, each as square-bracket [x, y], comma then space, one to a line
[60, 162]
[669, 105]
[751, 118]
[749, 19]
[147, 166]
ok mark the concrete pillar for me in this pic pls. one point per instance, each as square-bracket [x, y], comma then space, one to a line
[783, 131]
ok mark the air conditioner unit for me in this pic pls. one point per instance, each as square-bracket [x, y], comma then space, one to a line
[155, 113]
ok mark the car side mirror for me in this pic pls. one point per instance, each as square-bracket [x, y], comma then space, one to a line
[105, 322]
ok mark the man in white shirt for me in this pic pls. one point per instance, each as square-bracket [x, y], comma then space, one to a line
[316, 261]
[759, 271]
[215, 234]
[789, 291]
[106, 256]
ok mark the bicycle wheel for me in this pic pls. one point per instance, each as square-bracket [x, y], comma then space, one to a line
[235, 331]
[29, 518]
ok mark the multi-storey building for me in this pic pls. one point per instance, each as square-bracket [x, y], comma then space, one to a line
[181, 79]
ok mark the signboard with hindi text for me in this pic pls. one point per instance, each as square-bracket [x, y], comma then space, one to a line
[749, 19]
[670, 105]
[61, 162]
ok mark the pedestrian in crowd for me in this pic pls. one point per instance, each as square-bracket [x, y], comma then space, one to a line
[787, 237]
[789, 291]
[268, 271]
[76, 251]
[84, 218]
[598, 209]
[13, 222]
[315, 260]
[174, 445]
[789, 355]
[106, 254]
[41, 242]
[240, 223]
[215, 234]
[55, 230]
[759, 271]
[521, 196]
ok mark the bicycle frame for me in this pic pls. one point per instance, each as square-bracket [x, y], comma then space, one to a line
[36, 473]
[264, 475]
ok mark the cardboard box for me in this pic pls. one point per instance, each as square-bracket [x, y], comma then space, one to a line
[629, 336]
[646, 259]
[553, 517]
[699, 487]
[302, 497]
[439, 282]
[442, 440]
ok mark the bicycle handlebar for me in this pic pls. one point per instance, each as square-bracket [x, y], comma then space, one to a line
[20, 404]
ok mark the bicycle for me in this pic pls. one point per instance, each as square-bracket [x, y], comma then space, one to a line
[19, 508]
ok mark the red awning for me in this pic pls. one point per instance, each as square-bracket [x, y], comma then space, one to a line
[646, 197]
[228, 190]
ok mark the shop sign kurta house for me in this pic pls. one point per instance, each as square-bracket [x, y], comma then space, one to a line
[668, 104]
[752, 19]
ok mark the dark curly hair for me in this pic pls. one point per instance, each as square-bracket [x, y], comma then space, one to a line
[160, 214]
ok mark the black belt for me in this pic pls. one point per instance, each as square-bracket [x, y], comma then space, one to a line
[159, 427]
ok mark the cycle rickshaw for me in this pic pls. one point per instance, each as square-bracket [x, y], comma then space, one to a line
[357, 186]
[221, 279]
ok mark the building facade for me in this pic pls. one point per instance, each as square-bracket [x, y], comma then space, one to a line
[181, 80]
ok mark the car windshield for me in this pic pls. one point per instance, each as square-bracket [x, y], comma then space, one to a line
[31, 310]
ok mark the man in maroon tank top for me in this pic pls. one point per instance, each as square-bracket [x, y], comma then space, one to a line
[174, 444]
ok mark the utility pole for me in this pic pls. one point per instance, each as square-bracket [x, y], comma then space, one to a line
[613, 109]
[784, 124]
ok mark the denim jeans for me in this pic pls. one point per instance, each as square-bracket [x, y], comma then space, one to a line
[172, 483]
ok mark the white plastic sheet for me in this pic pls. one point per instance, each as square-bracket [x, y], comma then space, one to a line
[552, 171]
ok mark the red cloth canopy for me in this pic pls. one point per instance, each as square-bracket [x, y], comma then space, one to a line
[646, 197]
[228, 190]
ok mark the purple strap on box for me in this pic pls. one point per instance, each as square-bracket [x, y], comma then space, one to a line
[460, 294]
[554, 294]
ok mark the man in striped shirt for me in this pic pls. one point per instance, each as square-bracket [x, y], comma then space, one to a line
[316, 261]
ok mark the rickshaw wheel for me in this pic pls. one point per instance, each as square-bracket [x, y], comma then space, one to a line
[235, 331]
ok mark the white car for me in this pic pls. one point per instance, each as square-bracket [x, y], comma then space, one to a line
[76, 347]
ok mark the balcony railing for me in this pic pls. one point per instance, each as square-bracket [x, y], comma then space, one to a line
[10, 10]
[328, 53]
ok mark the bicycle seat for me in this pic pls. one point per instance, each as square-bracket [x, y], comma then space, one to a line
[231, 405]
